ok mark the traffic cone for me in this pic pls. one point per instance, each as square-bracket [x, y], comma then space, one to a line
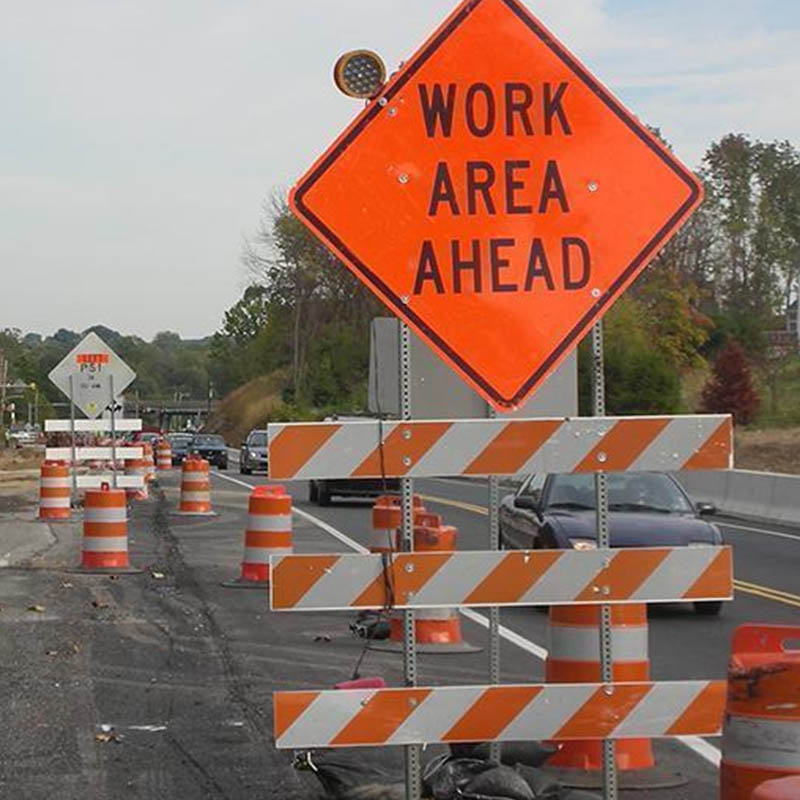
[54, 491]
[137, 467]
[268, 533]
[387, 517]
[437, 630]
[574, 657]
[147, 456]
[780, 789]
[163, 455]
[105, 531]
[195, 488]
[761, 732]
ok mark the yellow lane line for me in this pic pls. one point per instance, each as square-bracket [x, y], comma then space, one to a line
[766, 592]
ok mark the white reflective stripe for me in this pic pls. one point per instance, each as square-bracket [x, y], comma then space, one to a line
[96, 481]
[676, 443]
[92, 425]
[567, 447]
[55, 483]
[325, 717]
[583, 643]
[105, 514]
[260, 555]
[270, 523]
[194, 497]
[566, 577]
[455, 450]
[549, 711]
[761, 743]
[336, 589]
[665, 701]
[457, 576]
[90, 453]
[438, 712]
[345, 450]
[54, 502]
[677, 573]
[105, 544]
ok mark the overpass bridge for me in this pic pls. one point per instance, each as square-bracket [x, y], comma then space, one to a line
[168, 411]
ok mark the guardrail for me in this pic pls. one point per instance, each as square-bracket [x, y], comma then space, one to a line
[743, 493]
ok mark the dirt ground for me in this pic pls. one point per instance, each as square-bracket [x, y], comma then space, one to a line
[13, 458]
[774, 450]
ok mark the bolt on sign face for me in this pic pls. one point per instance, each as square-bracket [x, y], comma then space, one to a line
[496, 197]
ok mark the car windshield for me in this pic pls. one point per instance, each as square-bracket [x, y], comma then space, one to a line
[627, 491]
[204, 441]
[258, 440]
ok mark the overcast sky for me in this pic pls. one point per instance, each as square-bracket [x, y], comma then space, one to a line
[140, 137]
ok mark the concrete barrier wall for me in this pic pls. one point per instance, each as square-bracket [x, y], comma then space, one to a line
[760, 495]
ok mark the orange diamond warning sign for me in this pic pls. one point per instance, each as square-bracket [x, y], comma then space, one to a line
[496, 197]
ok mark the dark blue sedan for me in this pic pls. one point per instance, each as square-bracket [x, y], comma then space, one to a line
[648, 509]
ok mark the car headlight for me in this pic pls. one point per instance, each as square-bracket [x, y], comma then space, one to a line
[253, 454]
[583, 544]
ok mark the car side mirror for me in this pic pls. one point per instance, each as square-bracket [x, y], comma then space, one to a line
[527, 502]
[706, 509]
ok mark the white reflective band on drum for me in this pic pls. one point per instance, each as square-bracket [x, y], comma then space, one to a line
[55, 483]
[445, 614]
[271, 523]
[647, 719]
[113, 514]
[583, 644]
[105, 544]
[761, 743]
[260, 555]
[54, 502]
[194, 497]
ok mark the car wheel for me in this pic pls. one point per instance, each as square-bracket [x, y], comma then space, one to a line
[245, 470]
[224, 465]
[313, 493]
[709, 608]
[323, 495]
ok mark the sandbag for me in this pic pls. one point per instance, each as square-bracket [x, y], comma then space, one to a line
[357, 774]
[500, 783]
[448, 778]
[532, 754]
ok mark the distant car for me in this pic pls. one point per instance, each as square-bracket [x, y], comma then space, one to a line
[151, 437]
[23, 435]
[211, 447]
[253, 453]
[648, 509]
[179, 442]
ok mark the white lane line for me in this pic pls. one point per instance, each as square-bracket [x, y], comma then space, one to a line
[695, 743]
[777, 534]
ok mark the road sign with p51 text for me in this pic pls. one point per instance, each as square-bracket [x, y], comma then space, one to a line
[91, 364]
[496, 197]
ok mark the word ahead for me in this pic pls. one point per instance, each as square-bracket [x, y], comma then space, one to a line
[496, 197]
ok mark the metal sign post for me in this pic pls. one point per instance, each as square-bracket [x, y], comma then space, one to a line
[494, 611]
[113, 409]
[72, 438]
[610, 788]
[413, 752]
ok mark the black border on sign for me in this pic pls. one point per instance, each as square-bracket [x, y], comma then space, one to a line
[404, 310]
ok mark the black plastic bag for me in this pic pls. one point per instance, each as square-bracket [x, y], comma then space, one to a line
[448, 778]
[357, 774]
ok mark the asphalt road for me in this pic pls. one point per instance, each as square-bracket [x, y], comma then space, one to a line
[158, 685]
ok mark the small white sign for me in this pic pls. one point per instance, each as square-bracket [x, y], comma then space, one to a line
[91, 364]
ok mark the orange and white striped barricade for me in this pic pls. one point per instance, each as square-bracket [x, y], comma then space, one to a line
[268, 533]
[137, 468]
[761, 734]
[446, 448]
[780, 789]
[475, 578]
[195, 489]
[104, 547]
[574, 657]
[163, 455]
[455, 714]
[436, 630]
[55, 490]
